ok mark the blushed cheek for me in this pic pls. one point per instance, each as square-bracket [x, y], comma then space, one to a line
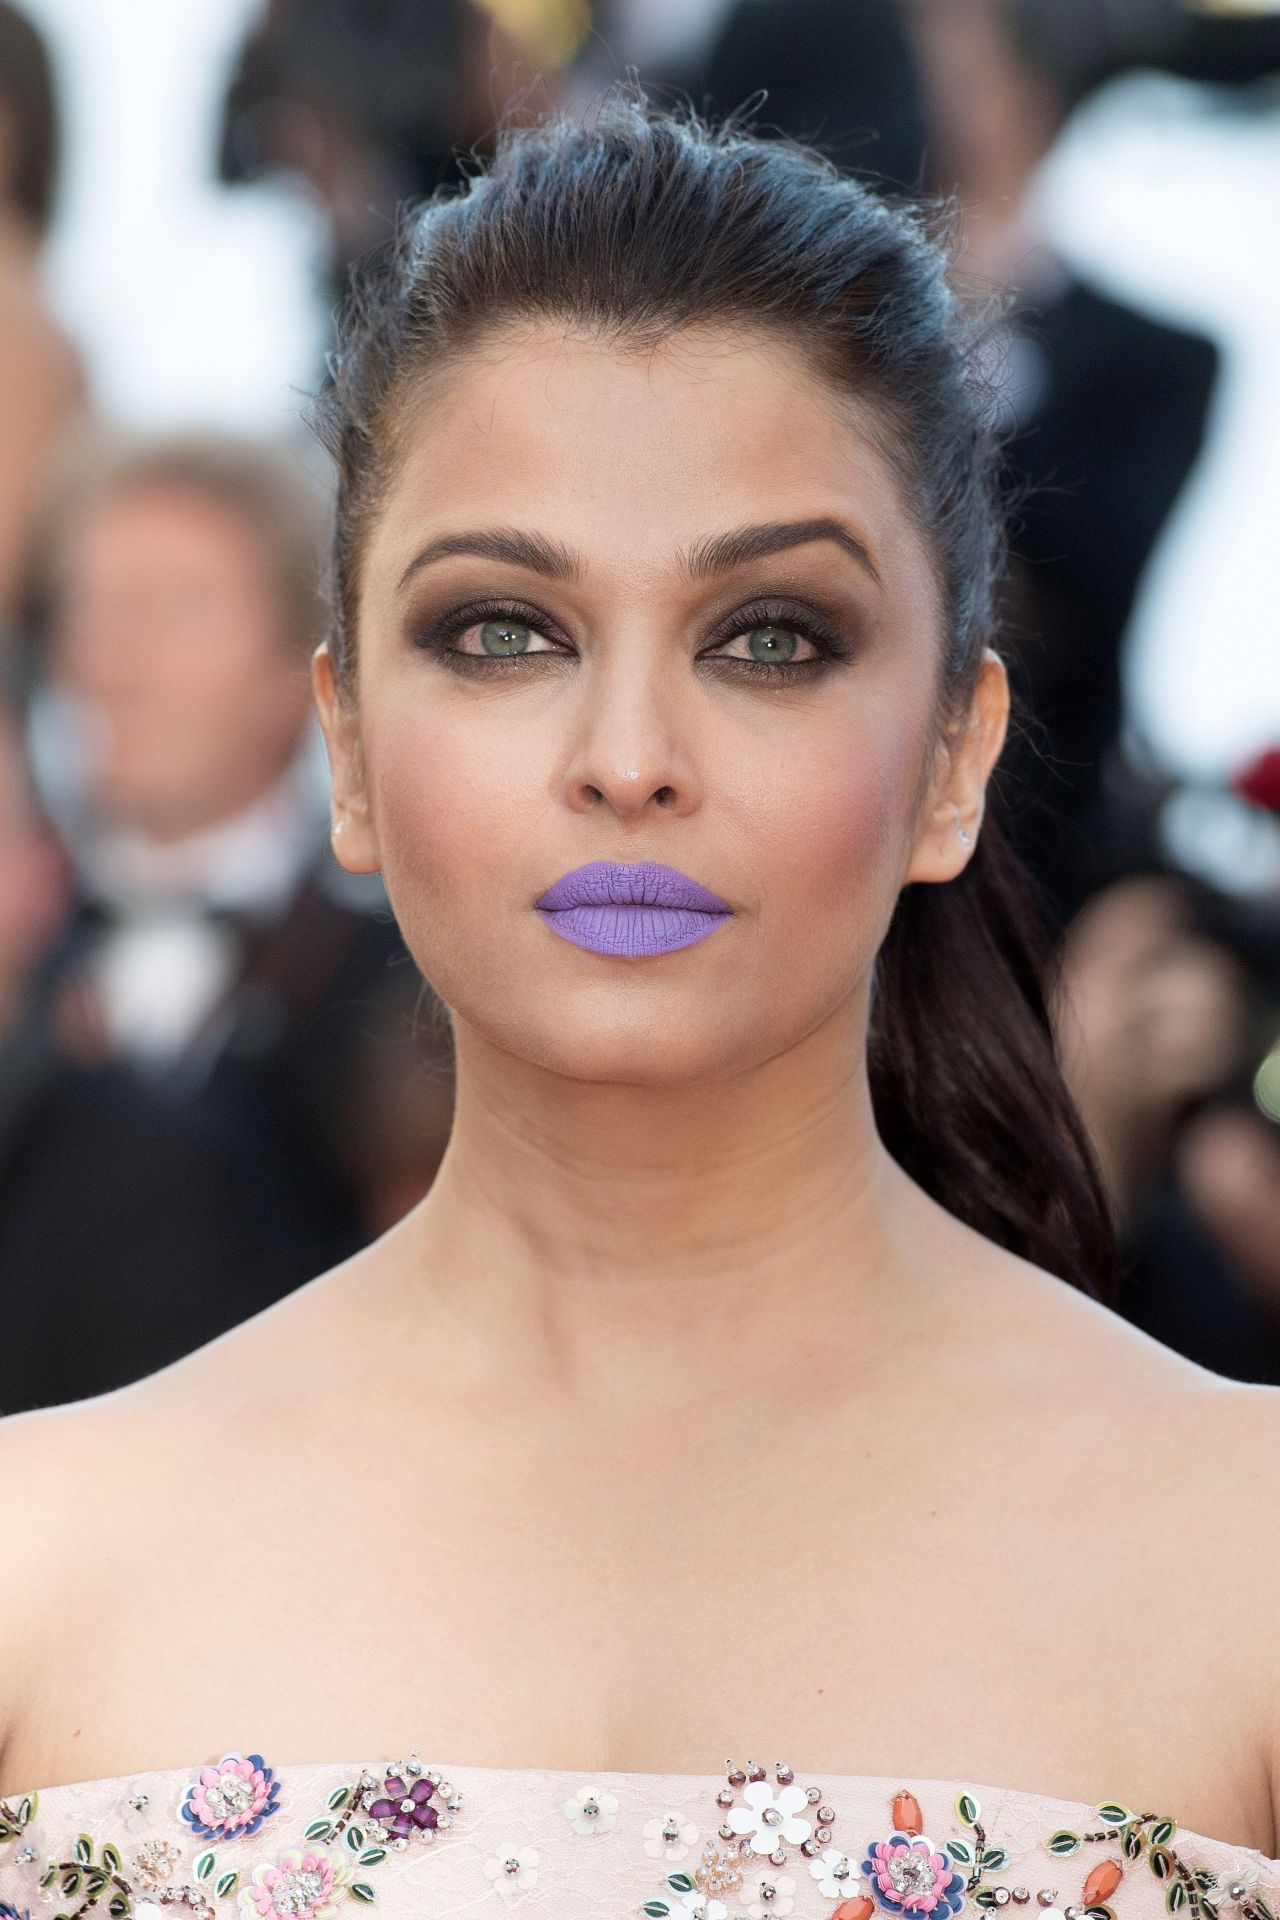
[839, 856]
[450, 822]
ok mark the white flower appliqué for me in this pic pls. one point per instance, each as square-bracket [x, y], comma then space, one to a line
[512, 1869]
[698, 1906]
[591, 1811]
[770, 1818]
[834, 1872]
[1245, 1875]
[767, 1893]
[669, 1836]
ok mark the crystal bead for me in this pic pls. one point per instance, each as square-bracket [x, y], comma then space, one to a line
[1046, 1896]
[771, 1816]
[1021, 1895]
[754, 1770]
[725, 1832]
[724, 1798]
[415, 1764]
[1001, 1896]
[809, 1847]
[826, 1815]
[737, 1778]
[1237, 1889]
[823, 1834]
[784, 1774]
[407, 1805]
[767, 1890]
[813, 1795]
[511, 1864]
[779, 1856]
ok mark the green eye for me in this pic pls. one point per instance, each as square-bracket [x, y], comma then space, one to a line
[771, 643]
[504, 637]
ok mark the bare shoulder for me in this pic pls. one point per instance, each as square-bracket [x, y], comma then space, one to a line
[1196, 1440]
[62, 1470]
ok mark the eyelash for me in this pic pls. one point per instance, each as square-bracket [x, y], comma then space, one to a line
[831, 647]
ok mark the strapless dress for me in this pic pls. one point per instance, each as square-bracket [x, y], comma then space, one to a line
[242, 1839]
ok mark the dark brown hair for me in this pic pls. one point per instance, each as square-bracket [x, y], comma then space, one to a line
[27, 97]
[648, 220]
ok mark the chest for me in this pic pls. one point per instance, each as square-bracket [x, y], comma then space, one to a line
[826, 1599]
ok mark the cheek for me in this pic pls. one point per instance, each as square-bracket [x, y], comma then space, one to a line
[834, 832]
[452, 816]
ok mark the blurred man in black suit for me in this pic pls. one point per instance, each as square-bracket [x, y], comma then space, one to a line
[217, 1091]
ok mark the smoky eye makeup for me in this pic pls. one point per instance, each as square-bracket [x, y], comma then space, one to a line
[520, 639]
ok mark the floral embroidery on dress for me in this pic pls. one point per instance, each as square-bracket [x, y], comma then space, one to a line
[669, 1836]
[512, 1868]
[591, 1811]
[232, 1798]
[765, 1893]
[908, 1875]
[421, 1810]
[300, 1884]
[769, 1852]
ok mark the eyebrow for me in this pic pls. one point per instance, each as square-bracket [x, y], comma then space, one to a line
[718, 553]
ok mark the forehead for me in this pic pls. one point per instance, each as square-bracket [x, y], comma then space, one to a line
[627, 454]
[160, 519]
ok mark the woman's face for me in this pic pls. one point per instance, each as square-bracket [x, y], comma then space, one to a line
[760, 722]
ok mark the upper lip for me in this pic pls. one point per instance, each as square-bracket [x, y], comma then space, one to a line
[643, 883]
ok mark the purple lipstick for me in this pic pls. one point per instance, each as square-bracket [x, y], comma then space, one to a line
[632, 911]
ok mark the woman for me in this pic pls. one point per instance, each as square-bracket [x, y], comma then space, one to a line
[740, 1388]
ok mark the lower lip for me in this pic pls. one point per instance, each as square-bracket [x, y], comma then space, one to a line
[632, 933]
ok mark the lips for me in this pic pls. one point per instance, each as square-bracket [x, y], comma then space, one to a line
[631, 911]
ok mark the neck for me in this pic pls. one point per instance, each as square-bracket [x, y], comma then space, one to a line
[599, 1240]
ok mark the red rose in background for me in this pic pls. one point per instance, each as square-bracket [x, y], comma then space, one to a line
[1258, 781]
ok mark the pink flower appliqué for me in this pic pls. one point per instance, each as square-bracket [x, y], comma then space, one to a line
[909, 1875]
[300, 1884]
[233, 1798]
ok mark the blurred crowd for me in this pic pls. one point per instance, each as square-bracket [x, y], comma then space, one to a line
[220, 1071]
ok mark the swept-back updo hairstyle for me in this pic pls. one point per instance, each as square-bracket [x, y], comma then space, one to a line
[647, 219]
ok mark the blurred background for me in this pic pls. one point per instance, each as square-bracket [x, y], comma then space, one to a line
[219, 1069]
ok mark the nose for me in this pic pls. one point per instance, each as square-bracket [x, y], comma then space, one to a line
[630, 750]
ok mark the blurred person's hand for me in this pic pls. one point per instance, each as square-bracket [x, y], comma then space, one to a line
[1150, 1016]
[1228, 1165]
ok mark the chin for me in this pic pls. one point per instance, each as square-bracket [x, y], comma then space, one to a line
[615, 1046]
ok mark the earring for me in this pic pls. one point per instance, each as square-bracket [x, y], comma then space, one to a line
[965, 839]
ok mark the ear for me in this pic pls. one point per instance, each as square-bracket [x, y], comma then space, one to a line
[355, 843]
[958, 791]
